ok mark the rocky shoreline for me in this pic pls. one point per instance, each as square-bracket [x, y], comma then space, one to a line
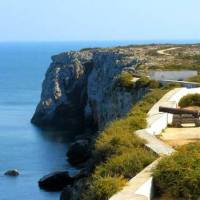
[79, 89]
[80, 92]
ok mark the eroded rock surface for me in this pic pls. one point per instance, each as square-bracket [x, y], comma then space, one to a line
[55, 181]
[79, 152]
[64, 91]
[79, 88]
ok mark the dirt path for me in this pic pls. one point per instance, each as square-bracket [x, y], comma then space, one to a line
[163, 52]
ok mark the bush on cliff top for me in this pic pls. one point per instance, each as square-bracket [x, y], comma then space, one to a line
[194, 79]
[125, 80]
[190, 100]
[178, 175]
[142, 82]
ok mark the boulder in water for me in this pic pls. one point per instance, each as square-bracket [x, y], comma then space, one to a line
[79, 152]
[12, 172]
[55, 181]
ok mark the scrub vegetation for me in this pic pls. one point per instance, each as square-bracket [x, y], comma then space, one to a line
[118, 153]
[194, 79]
[190, 100]
[177, 176]
[125, 80]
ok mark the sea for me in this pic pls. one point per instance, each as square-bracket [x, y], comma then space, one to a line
[34, 152]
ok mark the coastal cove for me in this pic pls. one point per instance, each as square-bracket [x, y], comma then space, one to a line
[35, 152]
[99, 100]
[23, 146]
[30, 150]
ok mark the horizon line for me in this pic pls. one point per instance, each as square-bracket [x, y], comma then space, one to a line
[106, 40]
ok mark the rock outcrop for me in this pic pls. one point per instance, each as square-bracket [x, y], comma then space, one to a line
[79, 88]
[55, 181]
[12, 172]
[79, 152]
[63, 95]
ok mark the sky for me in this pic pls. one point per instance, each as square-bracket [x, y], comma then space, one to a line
[76, 20]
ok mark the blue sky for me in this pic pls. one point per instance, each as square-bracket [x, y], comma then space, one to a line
[66, 20]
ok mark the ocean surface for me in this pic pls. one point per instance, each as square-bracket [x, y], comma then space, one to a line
[32, 151]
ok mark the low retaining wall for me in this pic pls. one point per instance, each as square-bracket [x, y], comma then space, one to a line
[158, 121]
[140, 187]
[186, 84]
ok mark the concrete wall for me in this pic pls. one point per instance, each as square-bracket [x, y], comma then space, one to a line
[158, 121]
[140, 187]
[182, 83]
[171, 75]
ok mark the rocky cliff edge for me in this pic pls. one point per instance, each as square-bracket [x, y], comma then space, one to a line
[79, 88]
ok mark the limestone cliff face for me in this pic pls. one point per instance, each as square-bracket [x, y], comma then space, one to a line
[81, 87]
[107, 102]
[64, 91]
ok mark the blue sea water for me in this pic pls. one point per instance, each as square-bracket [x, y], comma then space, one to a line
[24, 147]
[34, 152]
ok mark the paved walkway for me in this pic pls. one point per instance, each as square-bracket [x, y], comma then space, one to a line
[154, 143]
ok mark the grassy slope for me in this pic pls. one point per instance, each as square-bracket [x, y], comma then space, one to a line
[118, 153]
[177, 176]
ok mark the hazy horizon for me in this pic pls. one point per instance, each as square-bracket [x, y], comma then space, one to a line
[136, 42]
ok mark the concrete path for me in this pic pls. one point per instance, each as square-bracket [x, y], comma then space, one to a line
[163, 52]
[154, 143]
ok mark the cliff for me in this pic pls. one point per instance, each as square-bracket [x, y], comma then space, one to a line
[80, 88]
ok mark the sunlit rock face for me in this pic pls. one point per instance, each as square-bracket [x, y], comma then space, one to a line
[63, 95]
[80, 89]
[107, 102]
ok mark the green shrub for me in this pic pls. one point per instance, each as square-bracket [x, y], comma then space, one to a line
[194, 79]
[142, 82]
[102, 188]
[154, 84]
[190, 100]
[178, 175]
[172, 85]
[117, 136]
[137, 122]
[182, 66]
[125, 80]
[119, 152]
[128, 163]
